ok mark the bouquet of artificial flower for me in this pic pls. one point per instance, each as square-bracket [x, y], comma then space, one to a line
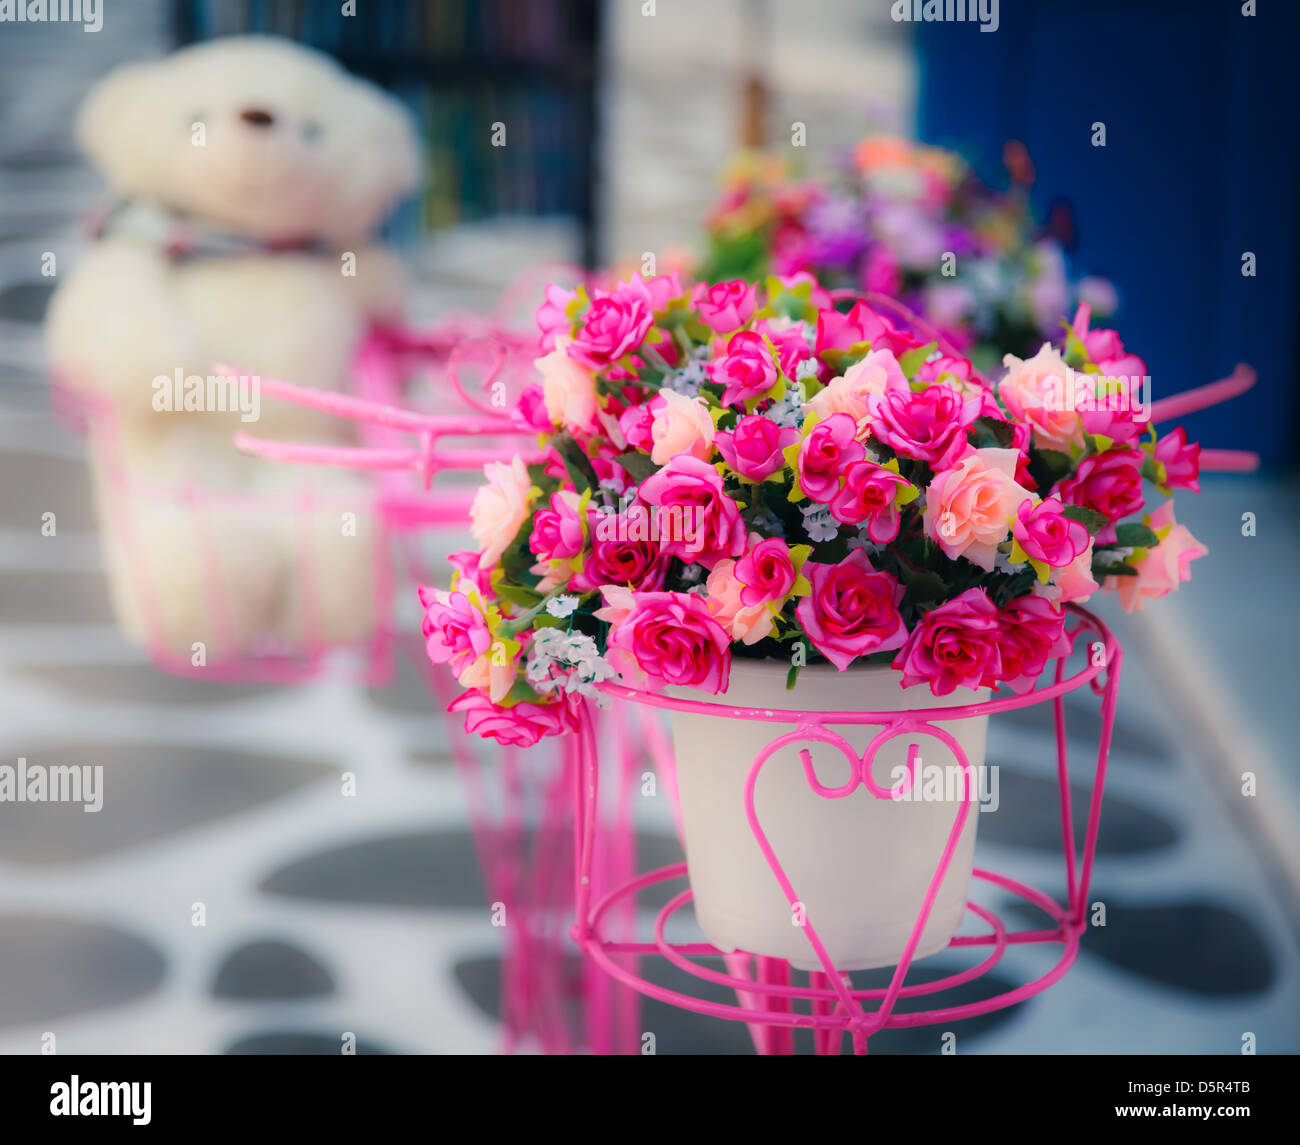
[913, 222]
[755, 470]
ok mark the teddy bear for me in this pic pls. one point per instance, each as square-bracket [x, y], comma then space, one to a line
[250, 174]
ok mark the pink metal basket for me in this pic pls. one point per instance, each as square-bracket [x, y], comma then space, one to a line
[769, 999]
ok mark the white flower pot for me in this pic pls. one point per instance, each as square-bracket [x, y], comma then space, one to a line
[859, 865]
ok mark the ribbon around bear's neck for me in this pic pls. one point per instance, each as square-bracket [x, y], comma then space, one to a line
[184, 237]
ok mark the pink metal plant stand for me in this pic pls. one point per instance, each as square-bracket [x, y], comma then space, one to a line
[768, 998]
[519, 809]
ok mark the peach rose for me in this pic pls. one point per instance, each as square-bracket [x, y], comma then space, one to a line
[492, 673]
[568, 389]
[969, 508]
[849, 392]
[499, 508]
[1036, 391]
[747, 623]
[680, 426]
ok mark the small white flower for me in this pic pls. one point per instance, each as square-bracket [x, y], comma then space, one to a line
[864, 542]
[1002, 562]
[819, 524]
[1109, 557]
[691, 573]
[808, 368]
[561, 606]
[687, 380]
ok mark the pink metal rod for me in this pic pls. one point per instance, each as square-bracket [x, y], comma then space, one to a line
[376, 413]
[1202, 397]
[1229, 461]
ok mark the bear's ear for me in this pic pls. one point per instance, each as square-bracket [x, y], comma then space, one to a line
[112, 126]
[384, 155]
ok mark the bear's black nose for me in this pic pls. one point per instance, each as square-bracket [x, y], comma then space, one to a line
[256, 117]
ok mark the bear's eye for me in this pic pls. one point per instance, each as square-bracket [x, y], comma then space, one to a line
[311, 131]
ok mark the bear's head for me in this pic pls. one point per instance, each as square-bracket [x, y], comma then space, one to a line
[256, 135]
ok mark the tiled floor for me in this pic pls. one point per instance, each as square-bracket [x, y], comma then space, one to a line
[326, 913]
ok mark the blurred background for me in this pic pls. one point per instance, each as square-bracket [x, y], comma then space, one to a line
[367, 914]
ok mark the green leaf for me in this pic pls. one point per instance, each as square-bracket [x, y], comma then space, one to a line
[1136, 535]
[518, 594]
[1089, 518]
[576, 463]
[1058, 463]
[915, 358]
[638, 465]
[1100, 574]
[1001, 432]
[791, 676]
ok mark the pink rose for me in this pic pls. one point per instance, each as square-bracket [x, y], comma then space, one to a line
[869, 495]
[1033, 631]
[754, 448]
[746, 370]
[557, 532]
[530, 411]
[818, 296]
[787, 336]
[1036, 391]
[930, 425]
[825, 455]
[673, 639]
[657, 291]
[521, 725]
[1182, 462]
[954, 645]
[552, 319]
[1109, 483]
[766, 572]
[705, 522]
[613, 327]
[850, 393]
[748, 623]
[623, 553]
[465, 563]
[1163, 568]
[724, 306]
[969, 508]
[680, 426]
[499, 508]
[837, 331]
[455, 629]
[1047, 535]
[637, 422]
[852, 610]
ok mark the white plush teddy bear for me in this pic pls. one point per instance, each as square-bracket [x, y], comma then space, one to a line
[250, 173]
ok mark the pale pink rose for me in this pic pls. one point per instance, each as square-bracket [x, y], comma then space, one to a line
[969, 508]
[681, 425]
[746, 623]
[849, 392]
[568, 389]
[619, 603]
[1073, 582]
[499, 508]
[1164, 566]
[1036, 391]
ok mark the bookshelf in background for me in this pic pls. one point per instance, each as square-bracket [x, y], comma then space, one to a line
[461, 66]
